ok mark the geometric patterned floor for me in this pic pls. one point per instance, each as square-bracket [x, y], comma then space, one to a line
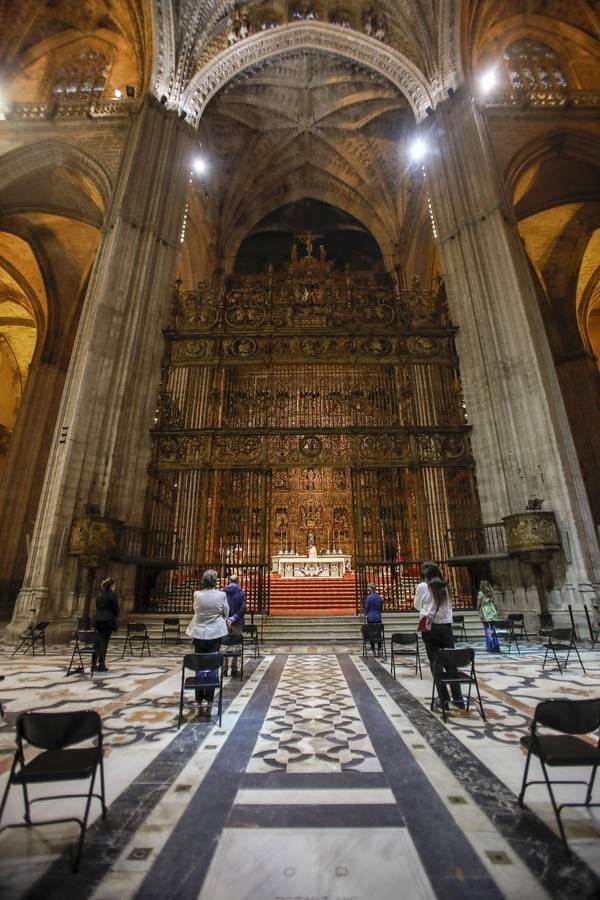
[328, 778]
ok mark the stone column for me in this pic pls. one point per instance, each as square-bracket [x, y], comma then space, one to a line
[21, 481]
[522, 442]
[101, 445]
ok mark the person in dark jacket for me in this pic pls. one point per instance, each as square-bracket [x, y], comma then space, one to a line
[373, 610]
[107, 611]
[236, 598]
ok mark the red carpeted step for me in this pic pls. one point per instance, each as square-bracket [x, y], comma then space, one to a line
[313, 596]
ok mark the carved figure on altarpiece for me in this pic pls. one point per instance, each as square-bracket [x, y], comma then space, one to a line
[238, 448]
[311, 516]
[281, 481]
[311, 480]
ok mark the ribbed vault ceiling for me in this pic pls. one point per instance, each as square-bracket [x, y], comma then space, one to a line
[308, 125]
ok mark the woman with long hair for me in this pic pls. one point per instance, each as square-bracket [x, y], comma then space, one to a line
[488, 613]
[434, 603]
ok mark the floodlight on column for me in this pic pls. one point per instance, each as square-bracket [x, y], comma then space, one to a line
[417, 151]
[199, 165]
[487, 81]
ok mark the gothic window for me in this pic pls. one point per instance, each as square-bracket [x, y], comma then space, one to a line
[533, 66]
[82, 78]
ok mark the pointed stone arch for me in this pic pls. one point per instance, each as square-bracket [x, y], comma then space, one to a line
[48, 154]
[331, 39]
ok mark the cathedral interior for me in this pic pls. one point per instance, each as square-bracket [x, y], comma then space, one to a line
[305, 292]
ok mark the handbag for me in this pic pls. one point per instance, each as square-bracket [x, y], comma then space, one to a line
[425, 622]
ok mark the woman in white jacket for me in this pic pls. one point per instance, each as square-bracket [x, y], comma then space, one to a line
[208, 626]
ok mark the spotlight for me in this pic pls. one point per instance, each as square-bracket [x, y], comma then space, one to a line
[118, 93]
[163, 99]
[429, 110]
[183, 114]
[450, 92]
[487, 81]
[417, 150]
[130, 90]
[199, 165]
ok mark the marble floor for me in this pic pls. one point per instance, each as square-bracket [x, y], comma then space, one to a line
[328, 779]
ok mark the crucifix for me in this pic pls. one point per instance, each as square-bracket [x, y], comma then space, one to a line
[307, 239]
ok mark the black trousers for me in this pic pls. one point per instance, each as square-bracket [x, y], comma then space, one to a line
[206, 647]
[104, 629]
[440, 637]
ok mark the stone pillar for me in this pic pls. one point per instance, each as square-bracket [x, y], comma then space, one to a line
[101, 446]
[22, 478]
[521, 440]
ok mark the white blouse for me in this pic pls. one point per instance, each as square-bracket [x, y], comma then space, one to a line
[425, 603]
[210, 611]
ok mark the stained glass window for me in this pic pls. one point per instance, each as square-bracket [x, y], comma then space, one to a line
[533, 66]
[83, 77]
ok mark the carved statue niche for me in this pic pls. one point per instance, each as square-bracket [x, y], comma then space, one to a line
[281, 521]
[310, 480]
[310, 516]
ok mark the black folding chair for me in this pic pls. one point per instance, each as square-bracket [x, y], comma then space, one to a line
[137, 633]
[569, 717]
[232, 648]
[87, 643]
[208, 675]
[562, 640]
[504, 629]
[518, 619]
[594, 632]
[54, 733]
[34, 634]
[458, 627]
[405, 645]
[171, 630]
[373, 634]
[446, 670]
[251, 638]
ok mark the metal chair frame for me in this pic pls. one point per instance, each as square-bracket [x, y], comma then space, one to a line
[459, 620]
[562, 635]
[519, 619]
[375, 632]
[201, 662]
[87, 642]
[32, 635]
[138, 632]
[594, 634]
[411, 644]
[502, 627]
[569, 717]
[171, 626]
[463, 656]
[54, 733]
[233, 640]
[251, 637]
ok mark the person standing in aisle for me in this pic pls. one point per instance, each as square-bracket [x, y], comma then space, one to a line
[105, 621]
[434, 603]
[373, 610]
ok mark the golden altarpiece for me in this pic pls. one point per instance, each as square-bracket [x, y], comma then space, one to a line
[307, 411]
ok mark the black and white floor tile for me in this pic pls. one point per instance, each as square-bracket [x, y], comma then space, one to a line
[327, 778]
